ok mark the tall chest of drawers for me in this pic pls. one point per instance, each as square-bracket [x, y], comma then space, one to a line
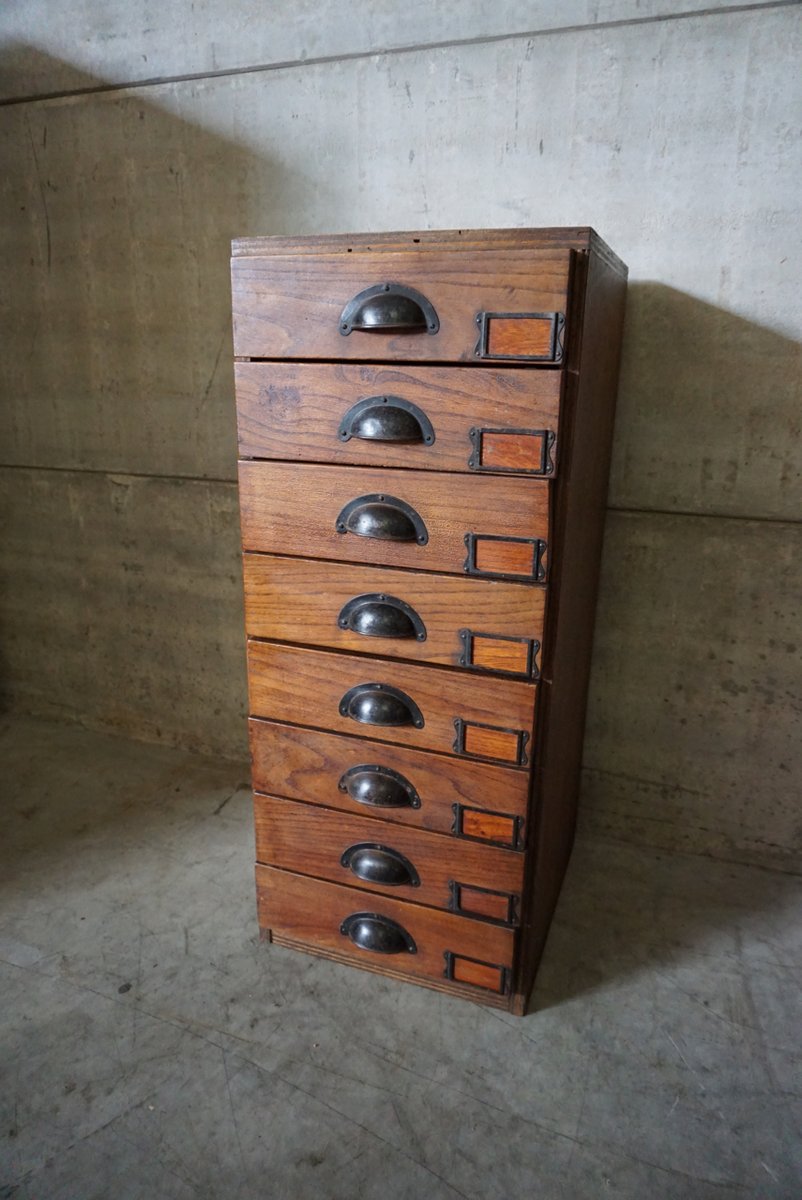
[424, 434]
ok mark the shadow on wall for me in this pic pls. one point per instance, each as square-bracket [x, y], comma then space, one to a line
[124, 212]
[708, 412]
[125, 609]
[693, 739]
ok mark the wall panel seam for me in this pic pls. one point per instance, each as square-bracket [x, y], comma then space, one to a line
[411, 48]
[213, 479]
[121, 473]
[772, 863]
[700, 515]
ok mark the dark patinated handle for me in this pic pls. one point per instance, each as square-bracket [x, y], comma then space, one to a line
[378, 615]
[378, 787]
[385, 518]
[371, 931]
[375, 863]
[380, 704]
[386, 419]
[387, 307]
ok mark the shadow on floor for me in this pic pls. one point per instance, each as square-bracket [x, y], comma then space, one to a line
[627, 913]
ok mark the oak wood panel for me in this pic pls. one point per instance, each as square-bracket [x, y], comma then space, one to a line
[288, 410]
[562, 237]
[305, 687]
[503, 558]
[492, 904]
[487, 827]
[312, 911]
[484, 975]
[491, 743]
[505, 451]
[299, 600]
[305, 764]
[311, 841]
[290, 307]
[499, 654]
[580, 498]
[463, 991]
[578, 237]
[516, 337]
[293, 507]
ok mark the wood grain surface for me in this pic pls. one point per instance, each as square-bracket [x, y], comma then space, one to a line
[481, 741]
[501, 450]
[292, 508]
[466, 991]
[577, 237]
[311, 841]
[293, 411]
[579, 516]
[517, 337]
[306, 764]
[312, 911]
[506, 557]
[305, 687]
[488, 827]
[290, 307]
[499, 654]
[484, 975]
[299, 600]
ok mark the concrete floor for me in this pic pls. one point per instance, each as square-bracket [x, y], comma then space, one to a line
[150, 1046]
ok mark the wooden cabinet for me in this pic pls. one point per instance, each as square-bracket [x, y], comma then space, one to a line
[424, 431]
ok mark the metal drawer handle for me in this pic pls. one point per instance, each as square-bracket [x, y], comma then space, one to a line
[386, 419]
[378, 615]
[386, 307]
[380, 704]
[371, 931]
[385, 518]
[374, 863]
[378, 787]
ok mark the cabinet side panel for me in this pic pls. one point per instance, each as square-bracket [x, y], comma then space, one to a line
[578, 523]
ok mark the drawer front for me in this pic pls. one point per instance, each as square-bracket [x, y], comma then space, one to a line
[493, 527]
[424, 707]
[430, 418]
[476, 881]
[477, 801]
[395, 936]
[424, 305]
[478, 624]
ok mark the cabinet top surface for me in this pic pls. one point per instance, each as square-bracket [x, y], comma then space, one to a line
[568, 238]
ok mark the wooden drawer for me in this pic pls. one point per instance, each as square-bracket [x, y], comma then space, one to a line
[286, 307]
[493, 527]
[478, 624]
[461, 420]
[455, 953]
[481, 717]
[476, 801]
[463, 877]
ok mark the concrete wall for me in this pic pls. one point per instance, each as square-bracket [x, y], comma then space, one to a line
[138, 138]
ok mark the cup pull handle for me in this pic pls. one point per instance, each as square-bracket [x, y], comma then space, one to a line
[378, 787]
[374, 863]
[385, 518]
[382, 935]
[386, 419]
[388, 308]
[380, 704]
[378, 615]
